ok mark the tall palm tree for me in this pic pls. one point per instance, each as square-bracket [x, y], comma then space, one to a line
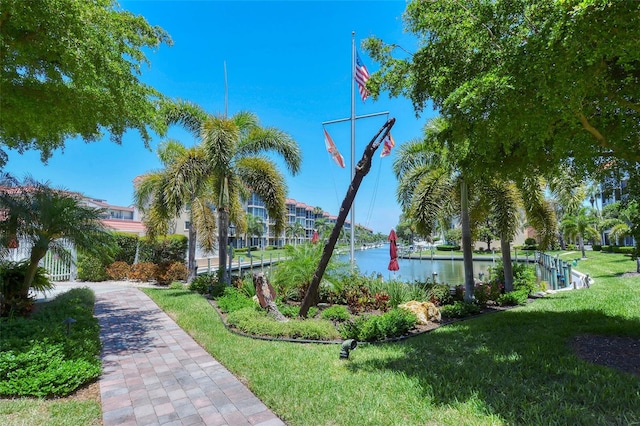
[581, 226]
[233, 163]
[156, 196]
[323, 226]
[44, 217]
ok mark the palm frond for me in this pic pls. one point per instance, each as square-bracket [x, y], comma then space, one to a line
[262, 140]
[262, 176]
[183, 113]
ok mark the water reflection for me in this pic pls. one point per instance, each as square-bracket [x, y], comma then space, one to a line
[375, 261]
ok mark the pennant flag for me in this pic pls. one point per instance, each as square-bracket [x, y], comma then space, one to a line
[362, 75]
[389, 143]
[331, 147]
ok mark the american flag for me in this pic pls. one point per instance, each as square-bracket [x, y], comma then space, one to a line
[389, 143]
[362, 75]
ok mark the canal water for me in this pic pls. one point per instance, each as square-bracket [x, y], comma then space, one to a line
[376, 260]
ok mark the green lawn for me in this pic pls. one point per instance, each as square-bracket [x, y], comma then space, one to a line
[514, 367]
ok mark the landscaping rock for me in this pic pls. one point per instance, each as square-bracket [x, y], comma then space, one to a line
[425, 311]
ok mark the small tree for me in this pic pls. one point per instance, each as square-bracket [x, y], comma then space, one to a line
[43, 216]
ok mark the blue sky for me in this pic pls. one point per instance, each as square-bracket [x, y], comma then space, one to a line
[288, 62]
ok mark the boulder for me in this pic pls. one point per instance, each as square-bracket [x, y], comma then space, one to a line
[425, 311]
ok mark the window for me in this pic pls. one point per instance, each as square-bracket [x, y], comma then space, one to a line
[187, 225]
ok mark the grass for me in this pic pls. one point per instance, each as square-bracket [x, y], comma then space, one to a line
[514, 367]
[26, 411]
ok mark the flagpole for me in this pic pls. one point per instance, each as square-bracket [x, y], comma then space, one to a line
[353, 142]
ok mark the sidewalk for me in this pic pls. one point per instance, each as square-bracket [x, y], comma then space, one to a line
[154, 373]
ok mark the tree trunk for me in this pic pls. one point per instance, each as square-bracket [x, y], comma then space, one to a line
[223, 236]
[467, 252]
[581, 242]
[192, 265]
[266, 296]
[362, 168]
[506, 263]
[32, 268]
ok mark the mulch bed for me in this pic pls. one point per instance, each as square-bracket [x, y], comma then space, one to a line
[621, 353]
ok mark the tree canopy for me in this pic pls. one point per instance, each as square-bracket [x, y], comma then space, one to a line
[71, 68]
[528, 82]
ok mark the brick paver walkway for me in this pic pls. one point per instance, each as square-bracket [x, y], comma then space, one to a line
[154, 373]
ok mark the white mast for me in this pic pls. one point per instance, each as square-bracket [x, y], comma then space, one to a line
[353, 144]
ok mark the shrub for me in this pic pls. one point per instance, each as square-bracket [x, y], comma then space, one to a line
[176, 285]
[171, 248]
[448, 247]
[143, 271]
[169, 272]
[439, 294]
[459, 309]
[233, 300]
[90, 268]
[335, 313]
[394, 323]
[127, 246]
[487, 291]
[202, 283]
[516, 297]
[15, 300]
[118, 270]
[258, 323]
[37, 355]
[530, 241]
[292, 311]
[596, 247]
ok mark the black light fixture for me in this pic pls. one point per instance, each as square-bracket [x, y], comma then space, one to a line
[347, 346]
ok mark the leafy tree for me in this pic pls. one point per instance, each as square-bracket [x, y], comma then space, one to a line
[529, 82]
[229, 163]
[43, 216]
[71, 68]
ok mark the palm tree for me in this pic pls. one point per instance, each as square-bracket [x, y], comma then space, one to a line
[255, 228]
[44, 217]
[294, 231]
[581, 226]
[231, 163]
[156, 197]
[323, 226]
[427, 182]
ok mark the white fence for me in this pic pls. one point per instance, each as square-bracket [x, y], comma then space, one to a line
[57, 268]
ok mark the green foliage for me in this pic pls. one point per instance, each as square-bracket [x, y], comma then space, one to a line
[252, 321]
[394, 323]
[127, 244]
[233, 300]
[487, 291]
[459, 309]
[335, 313]
[292, 277]
[453, 236]
[176, 285]
[203, 282]
[91, 268]
[439, 294]
[448, 247]
[39, 358]
[516, 297]
[524, 276]
[83, 92]
[167, 249]
[292, 311]
[13, 301]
